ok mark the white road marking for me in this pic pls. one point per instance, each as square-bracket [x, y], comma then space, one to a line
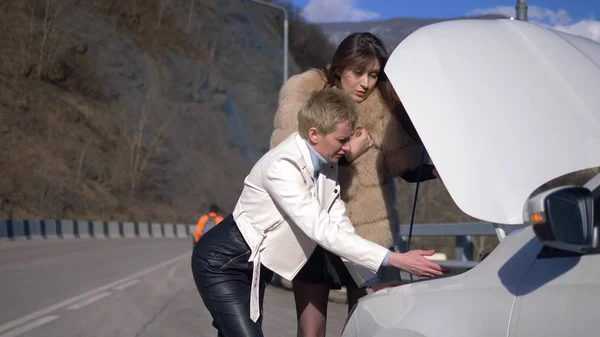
[75, 299]
[87, 301]
[126, 285]
[30, 326]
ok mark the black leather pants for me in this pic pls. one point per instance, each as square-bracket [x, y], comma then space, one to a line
[223, 277]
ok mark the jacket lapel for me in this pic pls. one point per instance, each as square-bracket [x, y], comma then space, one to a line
[305, 161]
[327, 184]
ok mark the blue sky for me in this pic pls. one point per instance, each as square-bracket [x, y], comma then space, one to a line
[581, 17]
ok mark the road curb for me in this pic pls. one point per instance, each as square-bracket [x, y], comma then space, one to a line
[337, 296]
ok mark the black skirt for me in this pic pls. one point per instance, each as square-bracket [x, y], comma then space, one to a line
[325, 267]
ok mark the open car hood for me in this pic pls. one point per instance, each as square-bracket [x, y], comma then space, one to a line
[502, 107]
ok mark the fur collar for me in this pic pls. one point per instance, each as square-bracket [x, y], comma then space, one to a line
[373, 111]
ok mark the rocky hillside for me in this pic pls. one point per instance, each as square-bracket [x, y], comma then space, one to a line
[137, 109]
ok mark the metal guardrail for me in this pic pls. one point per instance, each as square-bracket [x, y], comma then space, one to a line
[17, 229]
[451, 229]
[463, 233]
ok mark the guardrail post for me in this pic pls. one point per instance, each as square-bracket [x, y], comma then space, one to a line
[27, 229]
[9, 229]
[401, 244]
[67, 229]
[76, 229]
[18, 229]
[463, 248]
[50, 229]
[34, 229]
[143, 229]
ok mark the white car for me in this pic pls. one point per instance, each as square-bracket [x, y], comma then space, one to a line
[503, 107]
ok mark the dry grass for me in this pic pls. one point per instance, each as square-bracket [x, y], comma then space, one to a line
[57, 129]
[125, 134]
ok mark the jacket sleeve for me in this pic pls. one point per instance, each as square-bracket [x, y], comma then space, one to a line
[284, 183]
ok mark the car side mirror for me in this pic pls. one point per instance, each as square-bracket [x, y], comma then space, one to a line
[563, 218]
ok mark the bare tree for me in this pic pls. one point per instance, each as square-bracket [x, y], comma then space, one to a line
[47, 29]
[163, 5]
[139, 154]
[190, 16]
[52, 37]
[198, 34]
[56, 40]
[212, 48]
[134, 13]
[27, 46]
[81, 160]
[121, 9]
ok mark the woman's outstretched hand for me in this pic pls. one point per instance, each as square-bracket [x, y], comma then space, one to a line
[415, 263]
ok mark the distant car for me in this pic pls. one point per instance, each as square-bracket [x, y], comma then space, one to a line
[503, 107]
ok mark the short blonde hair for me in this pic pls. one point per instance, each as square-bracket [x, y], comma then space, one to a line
[324, 110]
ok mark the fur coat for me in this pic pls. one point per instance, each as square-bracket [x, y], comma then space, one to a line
[366, 183]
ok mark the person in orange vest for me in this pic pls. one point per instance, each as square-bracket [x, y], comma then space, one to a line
[207, 222]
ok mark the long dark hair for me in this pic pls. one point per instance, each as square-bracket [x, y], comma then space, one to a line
[358, 50]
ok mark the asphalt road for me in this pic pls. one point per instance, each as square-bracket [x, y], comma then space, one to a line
[117, 287]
